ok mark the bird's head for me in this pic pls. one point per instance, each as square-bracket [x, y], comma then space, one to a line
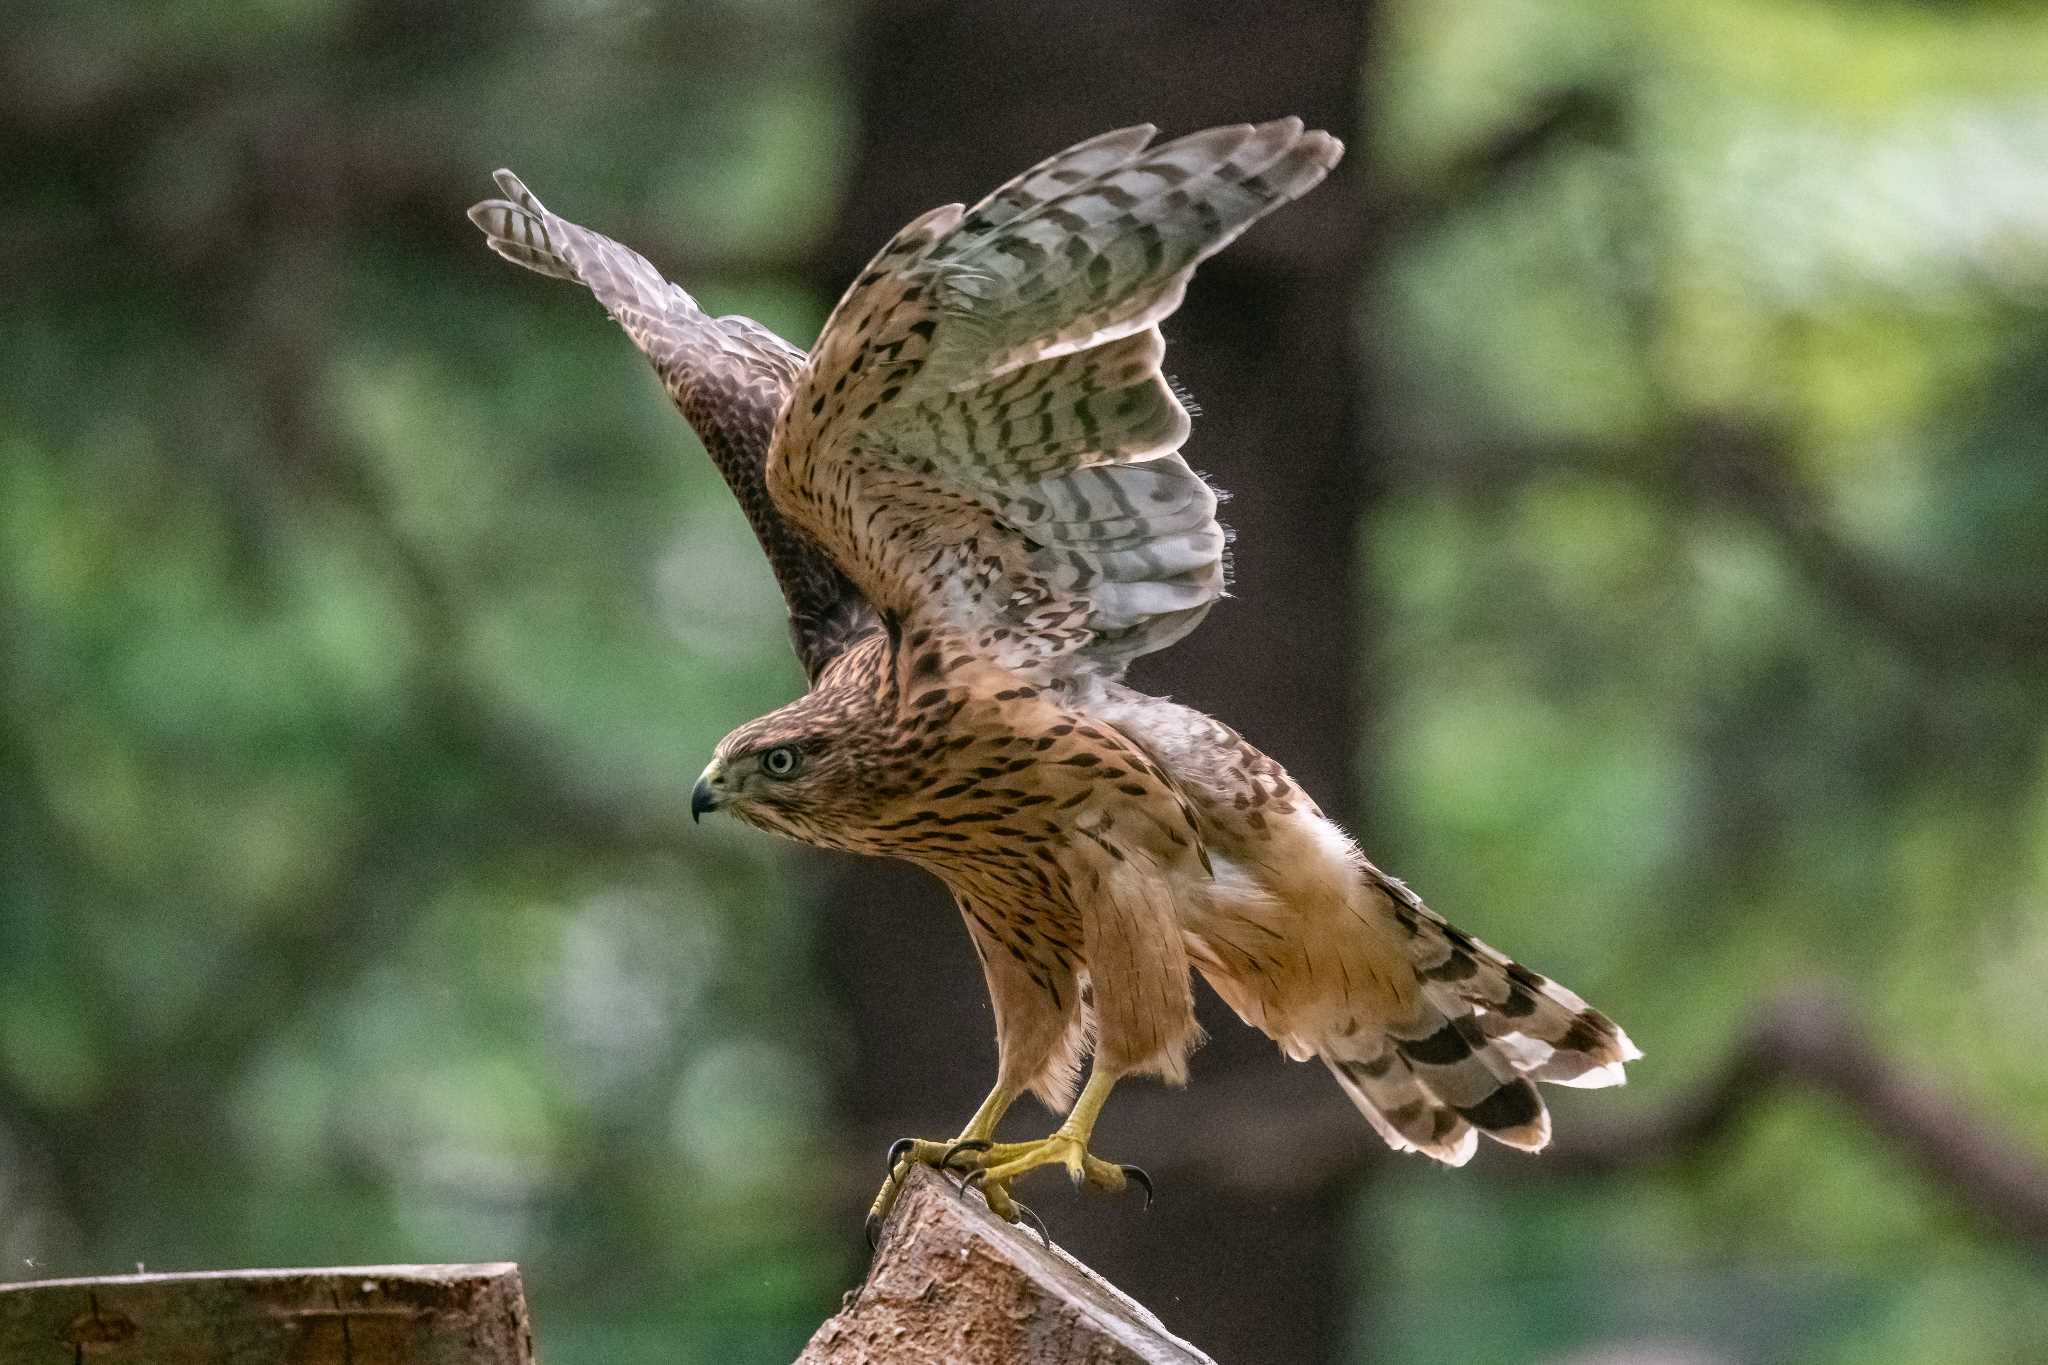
[800, 771]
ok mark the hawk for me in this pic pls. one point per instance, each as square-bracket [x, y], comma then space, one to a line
[972, 496]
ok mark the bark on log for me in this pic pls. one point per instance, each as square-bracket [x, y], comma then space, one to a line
[951, 1284]
[370, 1315]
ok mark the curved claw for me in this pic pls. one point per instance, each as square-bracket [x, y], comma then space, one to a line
[964, 1145]
[898, 1149]
[874, 1226]
[975, 1178]
[1137, 1173]
[1037, 1223]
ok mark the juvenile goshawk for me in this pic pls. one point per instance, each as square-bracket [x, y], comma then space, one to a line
[972, 498]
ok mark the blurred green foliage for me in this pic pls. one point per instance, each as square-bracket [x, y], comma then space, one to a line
[366, 614]
[1713, 628]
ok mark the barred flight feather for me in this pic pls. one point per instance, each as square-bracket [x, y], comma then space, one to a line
[1009, 353]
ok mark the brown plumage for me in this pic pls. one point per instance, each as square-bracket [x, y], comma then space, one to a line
[972, 497]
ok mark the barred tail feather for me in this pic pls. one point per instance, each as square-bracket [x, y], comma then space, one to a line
[1385, 1089]
[1553, 1034]
[1486, 1028]
[1435, 1085]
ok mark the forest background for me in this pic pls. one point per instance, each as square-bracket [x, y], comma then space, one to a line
[1642, 494]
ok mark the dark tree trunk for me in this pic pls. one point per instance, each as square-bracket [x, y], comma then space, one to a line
[953, 99]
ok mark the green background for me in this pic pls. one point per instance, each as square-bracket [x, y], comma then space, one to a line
[365, 614]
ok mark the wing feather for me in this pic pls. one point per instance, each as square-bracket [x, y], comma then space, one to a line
[730, 377]
[983, 437]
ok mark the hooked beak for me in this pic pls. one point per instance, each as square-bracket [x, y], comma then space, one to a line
[702, 797]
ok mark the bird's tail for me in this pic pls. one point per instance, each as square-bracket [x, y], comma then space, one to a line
[1486, 1027]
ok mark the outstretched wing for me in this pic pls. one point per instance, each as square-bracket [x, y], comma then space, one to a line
[983, 439]
[730, 376]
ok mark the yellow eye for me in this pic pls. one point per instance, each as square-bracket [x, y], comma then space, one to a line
[781, 761]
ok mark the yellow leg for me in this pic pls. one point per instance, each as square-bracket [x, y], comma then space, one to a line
[1067, 1146]
[973, 1140]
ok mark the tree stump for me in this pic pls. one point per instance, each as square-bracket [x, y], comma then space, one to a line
[372, 1315]
[952, 1284]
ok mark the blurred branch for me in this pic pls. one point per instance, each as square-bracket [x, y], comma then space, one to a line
[1578, 114]
[314, 463]
[1742, 465]
[528, 796]
[1813, 1041]
[361, 908]
[283, 137]
[1804, 1041]
[1729, 459]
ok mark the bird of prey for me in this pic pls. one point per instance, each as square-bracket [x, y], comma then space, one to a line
[972, 496]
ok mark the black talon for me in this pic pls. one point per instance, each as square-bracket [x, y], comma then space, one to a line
[874, 1230]
[975, 1178]
[1037, 1223]
[964, 1145]
[1137, 1173]
[898, 1149]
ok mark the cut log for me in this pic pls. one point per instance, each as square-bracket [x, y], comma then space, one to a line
[952, 1284]
[371, 1315]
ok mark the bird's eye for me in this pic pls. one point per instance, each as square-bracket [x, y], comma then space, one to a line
[781, 761]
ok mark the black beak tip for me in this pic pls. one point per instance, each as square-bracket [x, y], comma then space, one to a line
[701, 800]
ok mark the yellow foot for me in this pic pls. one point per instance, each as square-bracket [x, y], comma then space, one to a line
[961, 1155]
[996, 1166]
